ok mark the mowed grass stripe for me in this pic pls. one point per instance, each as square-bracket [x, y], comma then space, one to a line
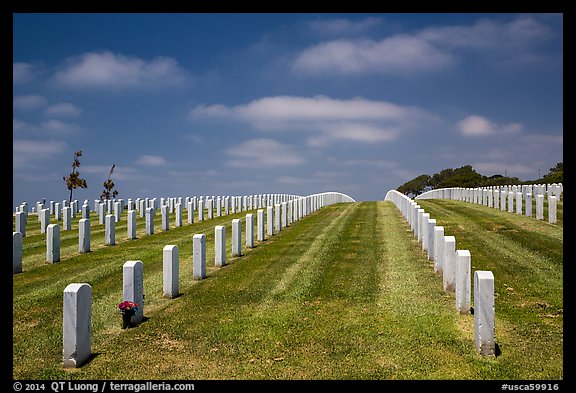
[300, 276]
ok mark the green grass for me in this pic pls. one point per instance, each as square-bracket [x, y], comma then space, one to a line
[345, 293]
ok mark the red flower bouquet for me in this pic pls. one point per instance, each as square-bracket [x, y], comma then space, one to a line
[127, 309]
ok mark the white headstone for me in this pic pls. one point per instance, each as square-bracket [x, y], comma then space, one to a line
[57, 212]
[110, 230]
[218, 207]
[53, 243]
[463, 281]
[528, 208]
[449, 267]
[16, 252]
[133, 287]
[219, 245]
[44, 220]
[284, 208]
[76, 325]
[165, 218]
[83, 235]
[201, 210]
[270, 221]
[149, 221]
[260, 225]
[539, 207]
[236, 237]
[250, 230]
[86, 211]
[170, 261]
[199, 256]
[117, 211]
[418, 226]
[439, 250]
[210, 207]
[484, 314]
[190, 211]
[131, 226]
[101, 213]
[424, 228]
[552, 203]
[430, 235]
[21, 221]
[277, 217]
[178, 210]
[66, 218]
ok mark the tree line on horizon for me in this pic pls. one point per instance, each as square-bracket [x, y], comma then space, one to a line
[467, 177]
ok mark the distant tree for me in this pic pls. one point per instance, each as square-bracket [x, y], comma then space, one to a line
[108, 186]
[73, 180]
[415, 186]
[558, 168]
[556, 174]
[441, 176]
[499, 180]
[466, 176]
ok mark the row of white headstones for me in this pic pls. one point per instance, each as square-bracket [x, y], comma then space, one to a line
[497, 196]
[77, 299]
[66, 211]
[293, 207]
[455, 268]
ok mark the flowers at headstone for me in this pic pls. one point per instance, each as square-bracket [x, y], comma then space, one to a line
[128, 310]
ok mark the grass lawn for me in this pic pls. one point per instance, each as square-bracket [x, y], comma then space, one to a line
[345, 293]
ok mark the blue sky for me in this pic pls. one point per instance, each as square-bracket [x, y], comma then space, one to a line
[237, 104]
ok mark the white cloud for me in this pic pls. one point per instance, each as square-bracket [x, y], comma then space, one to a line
[402, 54]
[116, 71]
[22, 73]
[475, 125]
[263, 153]
[342, 26]
[27, 153]
[55, 127]
[152, 161]
[319, 108]
[216, 110]
[63, 109]
[49, 127]
[29, 102]
[521, 32]
[324, 119]
[352, 132]
[430, 49]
